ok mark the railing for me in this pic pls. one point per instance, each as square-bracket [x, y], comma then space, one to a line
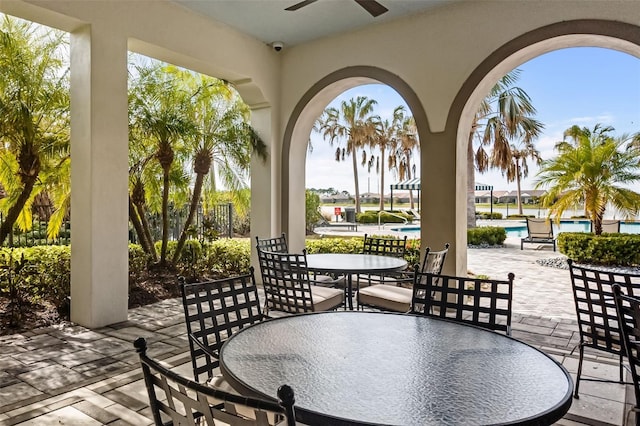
[404, 219]
[217, 223]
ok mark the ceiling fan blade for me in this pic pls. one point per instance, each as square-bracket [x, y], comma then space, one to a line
[301, 4]
[373, 7]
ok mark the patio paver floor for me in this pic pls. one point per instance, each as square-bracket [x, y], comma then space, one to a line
[74, 376]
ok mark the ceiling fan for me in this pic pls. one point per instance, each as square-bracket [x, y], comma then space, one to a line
[371, 6]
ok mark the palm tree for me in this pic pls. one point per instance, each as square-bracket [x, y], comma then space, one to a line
[224, 140]
[592, 169]
[401, 158]
[385, 137]
[518, 167]
[159, 113]
[34, 116]
[511, 119]
[352, 124]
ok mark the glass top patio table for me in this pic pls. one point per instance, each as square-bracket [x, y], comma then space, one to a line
[349, 263]
[396, 369]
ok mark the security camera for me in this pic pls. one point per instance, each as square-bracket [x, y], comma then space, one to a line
[277, 45]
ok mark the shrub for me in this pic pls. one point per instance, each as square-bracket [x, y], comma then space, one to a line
[520, 216]
[312, 210]
[226, 257]
[371, 216]
[355, 244]
[606, 249]
[334, 245]
[489, 215]
[490, 235]
[41, 273]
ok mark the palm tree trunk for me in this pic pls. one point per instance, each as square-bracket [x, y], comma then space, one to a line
[137, 225]
[165, 217]
[13, 213]
[382, 178]
[471, 185]
[518, 189]
[195, 199]
[355, 178]
[147, 231]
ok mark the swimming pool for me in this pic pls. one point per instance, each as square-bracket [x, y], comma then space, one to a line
[521, 230]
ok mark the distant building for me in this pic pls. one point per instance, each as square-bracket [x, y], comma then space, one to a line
[529, 196]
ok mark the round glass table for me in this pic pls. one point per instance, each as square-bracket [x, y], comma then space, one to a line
[352, 367]
[349, 263]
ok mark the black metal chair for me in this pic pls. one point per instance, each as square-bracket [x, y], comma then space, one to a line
[287, 286]
[396, 292]
[395, 247]
[381, 246]
[176, 400]
[596, 311]
[628, 311]
[279, 245]
[213, 311]
[485, 303]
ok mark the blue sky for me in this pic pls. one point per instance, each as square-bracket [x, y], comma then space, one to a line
[581, 86]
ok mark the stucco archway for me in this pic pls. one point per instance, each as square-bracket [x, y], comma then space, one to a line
[579, 33]
[299, 127]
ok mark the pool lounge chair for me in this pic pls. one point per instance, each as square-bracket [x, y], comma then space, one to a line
[540, 232]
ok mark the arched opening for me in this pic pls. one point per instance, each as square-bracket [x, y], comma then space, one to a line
[388, 154]
[572, 34]
[299, 128]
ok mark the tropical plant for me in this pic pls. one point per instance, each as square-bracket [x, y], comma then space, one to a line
[159, 120]
[592, 168]
[312, 210]
[34, 120]
[385, 137]
[505, 114]
[186, 130]
[352, 125]
[401, 158]
[223, 144]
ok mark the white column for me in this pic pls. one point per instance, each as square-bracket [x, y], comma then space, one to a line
[265, 200]
[443, 199]
[99, 177]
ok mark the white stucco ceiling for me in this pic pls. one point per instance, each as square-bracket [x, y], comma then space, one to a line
[268, 21]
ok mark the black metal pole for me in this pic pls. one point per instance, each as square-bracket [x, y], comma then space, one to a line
[491, 203]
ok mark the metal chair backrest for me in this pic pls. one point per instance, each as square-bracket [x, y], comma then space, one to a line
[485, 303]
[395, 247]
[176, 400]
[539, 228]
[628, 310]
[595, 308]
[277, 244]
[598, 324]
[213, 311]
[286, 282]
[434, 260]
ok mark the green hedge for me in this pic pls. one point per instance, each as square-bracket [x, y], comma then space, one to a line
[371, 216]
[43, 273]
[36, 273]
[491, 235]
[489, 215]
[606, 249]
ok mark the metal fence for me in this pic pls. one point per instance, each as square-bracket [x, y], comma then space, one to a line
[217, 223]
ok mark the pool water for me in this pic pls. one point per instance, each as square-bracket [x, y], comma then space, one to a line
[564, 226]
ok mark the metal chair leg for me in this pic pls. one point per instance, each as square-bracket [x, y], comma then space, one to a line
[575, 393]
